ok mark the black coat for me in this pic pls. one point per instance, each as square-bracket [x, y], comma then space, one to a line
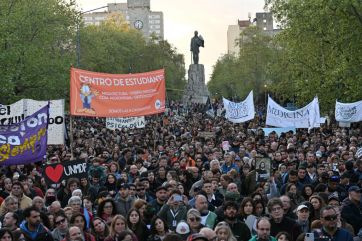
[352, 214]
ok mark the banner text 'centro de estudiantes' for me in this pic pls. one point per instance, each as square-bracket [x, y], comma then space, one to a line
[26, 141]
[116, 95]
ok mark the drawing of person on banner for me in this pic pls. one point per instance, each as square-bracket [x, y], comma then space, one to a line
[262, 170]
[86, 95]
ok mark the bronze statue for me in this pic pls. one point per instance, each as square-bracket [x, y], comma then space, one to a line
[196, 42]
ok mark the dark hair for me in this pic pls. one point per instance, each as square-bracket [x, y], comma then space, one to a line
[321, 187]
[123, 234]
[106, 228]
[230, 204]
[256, 202]
[283, 233]
[272, 202]
[72, 220]
[243, 203]
[172, 237]
[100, 209]
[129, 214]
[3, 231]
[18, 184]
[328, 207]
[27, 211]
[153, 224]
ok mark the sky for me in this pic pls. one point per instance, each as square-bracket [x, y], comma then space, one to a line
[210, 18]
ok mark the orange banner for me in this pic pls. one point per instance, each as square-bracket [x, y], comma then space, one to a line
[116, 95]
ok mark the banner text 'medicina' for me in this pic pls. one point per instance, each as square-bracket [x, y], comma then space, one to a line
[291, 115]
[131, 81]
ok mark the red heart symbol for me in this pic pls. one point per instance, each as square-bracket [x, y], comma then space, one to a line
[54, 174]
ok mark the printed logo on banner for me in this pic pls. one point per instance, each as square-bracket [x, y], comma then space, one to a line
[56, 173]
[346, 112]
[116, 95]
[128, 122]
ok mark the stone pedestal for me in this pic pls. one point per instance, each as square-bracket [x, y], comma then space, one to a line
[196, 90]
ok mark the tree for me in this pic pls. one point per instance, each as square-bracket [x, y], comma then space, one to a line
[37, 48]
[320, 50]
[113, 47]
[236, 76]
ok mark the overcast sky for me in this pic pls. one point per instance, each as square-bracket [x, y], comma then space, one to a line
[182, 17]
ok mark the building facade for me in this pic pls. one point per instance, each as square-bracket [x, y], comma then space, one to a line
[137, 13]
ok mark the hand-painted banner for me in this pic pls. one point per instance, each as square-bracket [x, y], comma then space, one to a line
[348, 112]
[57, 172]
[128, 122]
[25, 142]
[240, 112]
[116, 95]
[18, 111]
[306, 117]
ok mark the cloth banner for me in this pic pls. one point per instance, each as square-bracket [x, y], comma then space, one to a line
[128, 122]
[18, 111]
[57, 172]
[240, 112]
[116, 95]
[306, 117]
[348, 112]
[26, 141]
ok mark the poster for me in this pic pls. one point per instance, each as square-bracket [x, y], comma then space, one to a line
[57, 172]
[262, 170]
[116, 95]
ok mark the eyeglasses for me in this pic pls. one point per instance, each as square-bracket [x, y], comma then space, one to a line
[60, 221]
[193, 219]
[330, 218]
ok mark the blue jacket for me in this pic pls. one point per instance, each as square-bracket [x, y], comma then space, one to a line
[340, 235]
[41, 233]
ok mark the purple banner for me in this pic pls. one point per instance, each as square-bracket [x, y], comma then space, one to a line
[25, 142]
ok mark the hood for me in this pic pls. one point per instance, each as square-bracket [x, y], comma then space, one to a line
[24, 228]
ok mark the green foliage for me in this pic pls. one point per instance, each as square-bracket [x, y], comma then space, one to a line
[36, 48]
[319, 50]
[234, 77]
[113, 47]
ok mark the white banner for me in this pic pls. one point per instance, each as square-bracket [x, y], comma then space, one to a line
[306, 117]
[348, 112]
[129, 122]
[240, 112]
[19, 110]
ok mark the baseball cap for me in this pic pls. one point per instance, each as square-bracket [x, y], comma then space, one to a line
[302, 206]
[182, 228]
[354, 189]
[196, 236]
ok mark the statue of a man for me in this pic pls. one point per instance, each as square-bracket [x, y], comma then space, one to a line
[196, 42]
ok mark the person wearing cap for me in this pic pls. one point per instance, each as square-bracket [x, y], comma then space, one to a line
[352, 208]
[123, 200]
[302, 212]
[240, 230]
[182, 229]
[334, 186]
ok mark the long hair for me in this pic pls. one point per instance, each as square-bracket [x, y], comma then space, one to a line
[153, 225]
[243, 204]
[106, 228]
[4, 231]
[112, 230]
[225, 226]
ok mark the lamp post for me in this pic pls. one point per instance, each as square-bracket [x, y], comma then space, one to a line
[78, 33]
[265, 90]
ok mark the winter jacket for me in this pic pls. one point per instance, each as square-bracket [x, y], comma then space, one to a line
[172, 218]
[41, 234]
[254, 238]
[352, 214]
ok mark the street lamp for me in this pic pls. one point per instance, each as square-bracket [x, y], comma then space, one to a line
[265, 90]
[78, 33]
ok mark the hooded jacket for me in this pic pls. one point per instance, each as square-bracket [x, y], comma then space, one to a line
[41, 233]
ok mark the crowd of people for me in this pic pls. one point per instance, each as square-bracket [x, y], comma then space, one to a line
[176, 180]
